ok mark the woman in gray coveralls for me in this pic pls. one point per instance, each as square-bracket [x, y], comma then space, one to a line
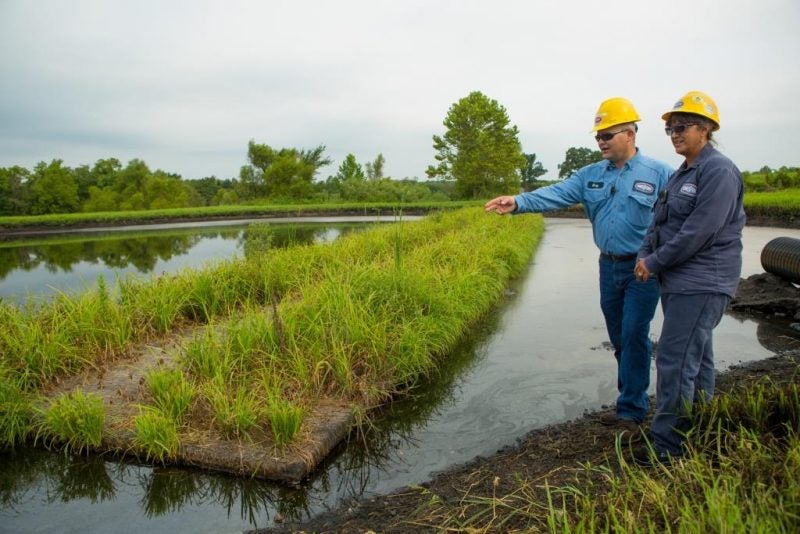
[694, 247]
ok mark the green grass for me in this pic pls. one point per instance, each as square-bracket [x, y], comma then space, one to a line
[780, 204]
[236, 413]
[172, 393]
[74, 421]
[285, 419]
[156, 435]
[16, 412]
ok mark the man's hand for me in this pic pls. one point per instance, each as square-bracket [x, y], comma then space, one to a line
[501, 205]
[640, 271]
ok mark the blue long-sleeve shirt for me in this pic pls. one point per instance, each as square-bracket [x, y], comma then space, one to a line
[618, 201]
[694, 243]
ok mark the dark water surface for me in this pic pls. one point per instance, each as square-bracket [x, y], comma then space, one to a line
[541, 358]
[36, 266]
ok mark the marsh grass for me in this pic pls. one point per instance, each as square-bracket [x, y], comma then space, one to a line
[783, 203]
[370, 313]
[16, 413]
[204, 357]
[285, 419]
[235, 414]
[155, 303]
[172, 392]
[74, 421]
[156, 434]
[37, 345]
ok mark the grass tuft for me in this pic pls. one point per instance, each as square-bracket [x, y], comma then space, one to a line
[285, 419]
[235, 415]
[16, 414]
[156, 435]
[171, 392]
[74, 421]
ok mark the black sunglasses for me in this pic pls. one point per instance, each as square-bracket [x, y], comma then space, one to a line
[608, 136]
[678, 128]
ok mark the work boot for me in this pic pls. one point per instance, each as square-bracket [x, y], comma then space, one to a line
[609, 419]
[629, 427]
[612, 419]
[648, 456]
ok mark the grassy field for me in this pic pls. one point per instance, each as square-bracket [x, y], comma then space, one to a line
[783, 204]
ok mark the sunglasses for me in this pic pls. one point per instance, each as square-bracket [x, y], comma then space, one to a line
[678, 128]
[608, 136]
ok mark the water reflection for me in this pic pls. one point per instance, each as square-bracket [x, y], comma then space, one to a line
[142, 253]
[70, 262]
[167, 491]
[61, 478]
[160, 491]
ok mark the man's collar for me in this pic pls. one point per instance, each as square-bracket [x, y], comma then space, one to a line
[611, 165]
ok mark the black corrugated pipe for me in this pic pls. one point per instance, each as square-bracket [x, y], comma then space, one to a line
[781, 257]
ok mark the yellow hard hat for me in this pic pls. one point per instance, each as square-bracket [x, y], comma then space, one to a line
[698, 103]
[614, 111]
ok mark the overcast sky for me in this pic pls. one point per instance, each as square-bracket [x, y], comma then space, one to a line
[184, 85]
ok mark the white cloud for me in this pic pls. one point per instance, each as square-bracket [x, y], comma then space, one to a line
[185, 85]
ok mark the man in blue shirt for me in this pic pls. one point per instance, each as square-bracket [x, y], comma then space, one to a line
[618, 195]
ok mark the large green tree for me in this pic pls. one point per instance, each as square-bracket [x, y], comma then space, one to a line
[105, 172]
[577, 158]
[480, 150]
[130, 184]
[53, 189]
[350, 169]
[284, 173]
[14, 190]
[531, 171]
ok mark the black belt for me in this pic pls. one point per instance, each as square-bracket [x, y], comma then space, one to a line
[614, 257]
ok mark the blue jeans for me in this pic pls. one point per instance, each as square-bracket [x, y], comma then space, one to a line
[628, 306]
[685, 364]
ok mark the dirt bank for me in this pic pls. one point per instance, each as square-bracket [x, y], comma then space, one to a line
[552, 453]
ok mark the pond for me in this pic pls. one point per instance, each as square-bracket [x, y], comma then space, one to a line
[38, 266]
[540, 358]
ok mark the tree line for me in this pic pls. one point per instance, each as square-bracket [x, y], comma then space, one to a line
[478, 156]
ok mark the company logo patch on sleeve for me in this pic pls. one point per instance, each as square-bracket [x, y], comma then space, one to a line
[644, 187]
[594, 185]
[689, 189]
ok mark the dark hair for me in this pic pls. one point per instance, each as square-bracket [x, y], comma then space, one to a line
[705, 122]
